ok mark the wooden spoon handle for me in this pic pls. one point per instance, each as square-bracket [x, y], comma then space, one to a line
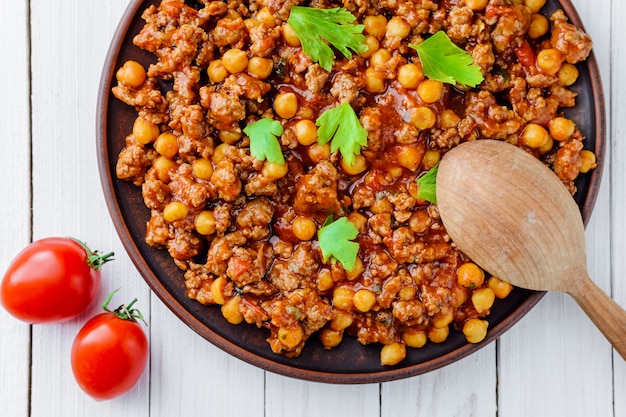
[605, 313]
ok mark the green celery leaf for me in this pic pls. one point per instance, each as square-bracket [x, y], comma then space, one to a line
[444, 61]
[342, 125]
[427, 185]
[317, 28]
[264, 143]
[335, 239]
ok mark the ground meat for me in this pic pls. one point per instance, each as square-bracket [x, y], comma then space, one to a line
[249, 265]
[571, 41]
[295, 272]
[225, 110]
[230, 32]
[511, 27]
[317, 192]
[316, 78]
[226, 180]
[221, 250]
[254, 219]
[133, 161]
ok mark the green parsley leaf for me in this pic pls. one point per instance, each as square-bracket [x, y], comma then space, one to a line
[427, 185]
[264, 143]
[342, 126]
[444, 61]
[335, 239]
[316, 28]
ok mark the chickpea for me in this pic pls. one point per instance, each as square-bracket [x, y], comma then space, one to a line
[501, 289]
[144, 131]
[423, 118]
[330, 338]
[202, 169]
[414, 338]
[534, 136]
[483, 299]
[475, 330]
[438, 334]
[205, 223]
[163, 167]
[470, 275]
[306, 132]
[175, 211]
[374, 81]
[443, 319]
[535, 5]
[407, 293]
[260, 68]
[430, 91]
[449, 119]
[392, 354]
[289, 35]
[356, 271]
[561, 128]
[286, 105]
[229, 137]
[358, 165]
[217, 288]
[166, 144]
[343, 298]
[274, 170]
[549, 61]
[131, 74]
[230, 310]
[217, 72]
[364, 300]
[430, 159]
[476, 5]
[218, 153]
[397, 27]
[325, 280]
[410, 157]
[235, 60]
[359, 220]
[290, 337]
[410, 75]
[588, 161]
[547, 147]
[317, 152]
[568, 74]
[266, 17]
[539, 26]
[341, 321]
[375, 26]
[372, 46]
[304, 228]
[379, 59]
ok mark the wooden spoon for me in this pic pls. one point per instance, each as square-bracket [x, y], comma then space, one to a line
[511, 215]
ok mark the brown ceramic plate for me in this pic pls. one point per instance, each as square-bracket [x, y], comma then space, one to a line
[350, 362]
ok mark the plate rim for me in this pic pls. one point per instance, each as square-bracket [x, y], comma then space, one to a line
[175, 306]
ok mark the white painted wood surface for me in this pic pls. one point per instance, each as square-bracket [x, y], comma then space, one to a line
[552, 363]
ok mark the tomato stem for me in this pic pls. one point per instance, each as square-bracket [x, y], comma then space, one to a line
[124, 312]
[94, 259]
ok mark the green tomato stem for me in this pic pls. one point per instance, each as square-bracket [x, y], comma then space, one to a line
[94, 259]
[124, 312]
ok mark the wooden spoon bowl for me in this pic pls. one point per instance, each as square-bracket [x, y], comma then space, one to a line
[511, 215]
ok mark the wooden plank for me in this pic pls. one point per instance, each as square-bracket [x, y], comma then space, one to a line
[15, 160]
[69, 43]
[286, 397]
[464, 388]
[556, 343]
[189, 374]
[618, 191]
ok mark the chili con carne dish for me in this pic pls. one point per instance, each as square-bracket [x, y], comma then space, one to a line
[285, 182]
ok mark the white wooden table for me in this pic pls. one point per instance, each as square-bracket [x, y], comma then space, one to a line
[552, 363]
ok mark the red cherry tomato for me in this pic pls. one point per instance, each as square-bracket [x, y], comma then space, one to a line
[52, 280]
[110, 353]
